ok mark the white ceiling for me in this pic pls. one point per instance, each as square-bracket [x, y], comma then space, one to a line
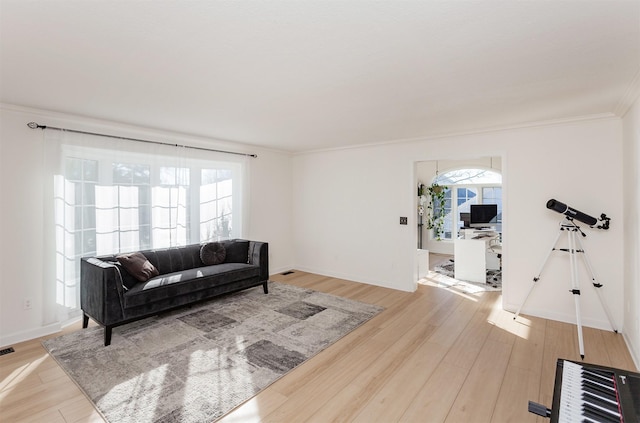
[305, 75]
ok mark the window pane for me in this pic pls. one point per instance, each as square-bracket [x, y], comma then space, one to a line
[90, 170]
[224, 188]
[89, 241]
[122, 173]
[208, 176]
[174, 176]
[89, 194]
[88, 217]
[73, 169]
[469, 177]
[216, 204]
[141, 175]
[144, 215]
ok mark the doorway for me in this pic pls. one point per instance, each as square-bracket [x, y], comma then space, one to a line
[466, 182]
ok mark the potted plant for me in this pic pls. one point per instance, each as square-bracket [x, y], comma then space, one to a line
[436, 209]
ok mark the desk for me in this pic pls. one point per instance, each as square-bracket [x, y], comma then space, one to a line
[472, 255]
[423, 263]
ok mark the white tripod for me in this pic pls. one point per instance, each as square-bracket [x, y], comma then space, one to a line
[570, 228]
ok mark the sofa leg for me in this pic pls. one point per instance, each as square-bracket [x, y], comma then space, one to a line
[107, 335]
[265, 286]
[85, 321]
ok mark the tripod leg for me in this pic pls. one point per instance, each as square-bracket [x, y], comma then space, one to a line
[525, 298]
[575, 289]
[596, 285]
[537, 278]
[579, 324]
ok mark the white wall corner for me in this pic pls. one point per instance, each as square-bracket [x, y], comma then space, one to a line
[630, 96]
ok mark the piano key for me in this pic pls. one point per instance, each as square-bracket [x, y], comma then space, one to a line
[596, 378]
[596, 390]
[599, 414]
[602, 373]
[604, 403]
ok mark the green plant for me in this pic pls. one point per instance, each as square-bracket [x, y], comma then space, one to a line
[436, 209]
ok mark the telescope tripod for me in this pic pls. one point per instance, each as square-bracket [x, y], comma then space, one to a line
[570, 228]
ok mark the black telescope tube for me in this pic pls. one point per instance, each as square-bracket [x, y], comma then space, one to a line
[570, 212]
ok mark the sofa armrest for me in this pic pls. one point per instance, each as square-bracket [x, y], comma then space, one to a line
[101, 290]
[259, 254]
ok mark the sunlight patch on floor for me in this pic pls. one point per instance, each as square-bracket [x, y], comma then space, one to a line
[21, 373]
[498, 317]
[461, 288]
[504, 320]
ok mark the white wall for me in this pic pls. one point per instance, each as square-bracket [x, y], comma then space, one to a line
[347, 205]
[631, 130]
[270, 210]
[21, 185]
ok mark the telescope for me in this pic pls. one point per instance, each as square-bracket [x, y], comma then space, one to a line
[572, 213]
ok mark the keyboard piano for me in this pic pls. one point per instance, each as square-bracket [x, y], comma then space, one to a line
[594, 394]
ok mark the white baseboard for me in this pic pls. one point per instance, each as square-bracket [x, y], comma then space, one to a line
[563, 317]
[280, 270]
[28, 335]
[347, 277]
[592, 323]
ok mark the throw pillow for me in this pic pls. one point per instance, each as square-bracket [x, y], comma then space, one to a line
[237, 251]
[137, 265]
[212, 253]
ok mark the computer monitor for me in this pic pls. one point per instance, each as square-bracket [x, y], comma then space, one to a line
[483, 215]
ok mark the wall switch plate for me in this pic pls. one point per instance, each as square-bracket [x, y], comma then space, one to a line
[403, 220]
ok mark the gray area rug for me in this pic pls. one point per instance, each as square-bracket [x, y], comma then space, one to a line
[197, 364]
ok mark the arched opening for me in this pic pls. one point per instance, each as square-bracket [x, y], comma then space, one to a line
[464, 184]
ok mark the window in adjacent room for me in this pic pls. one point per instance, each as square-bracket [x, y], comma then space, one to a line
[464, 188]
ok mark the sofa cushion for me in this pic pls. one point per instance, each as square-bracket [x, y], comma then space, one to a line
[237, 251]
[187, 281]
[137, 265]
[212, 253]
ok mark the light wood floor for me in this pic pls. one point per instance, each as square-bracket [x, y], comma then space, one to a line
[435, 355]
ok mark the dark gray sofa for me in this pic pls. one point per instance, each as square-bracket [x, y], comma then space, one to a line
[111, 296]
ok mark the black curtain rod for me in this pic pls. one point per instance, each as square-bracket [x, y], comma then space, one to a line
[34, 125]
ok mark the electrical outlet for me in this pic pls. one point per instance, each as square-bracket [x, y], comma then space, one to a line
[403, 220]
[27, 304]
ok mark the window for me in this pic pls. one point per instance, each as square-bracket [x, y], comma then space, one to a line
[216, 204]
[472, 186]
[107, 202]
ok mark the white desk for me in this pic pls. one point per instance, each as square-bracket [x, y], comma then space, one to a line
[423, 263]
[472, 255]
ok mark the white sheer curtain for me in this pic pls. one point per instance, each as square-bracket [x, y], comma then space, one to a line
[106, 195]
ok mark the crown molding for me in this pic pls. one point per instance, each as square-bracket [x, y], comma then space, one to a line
[552, 122]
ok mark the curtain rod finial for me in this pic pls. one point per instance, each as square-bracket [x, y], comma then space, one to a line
[33, 125]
